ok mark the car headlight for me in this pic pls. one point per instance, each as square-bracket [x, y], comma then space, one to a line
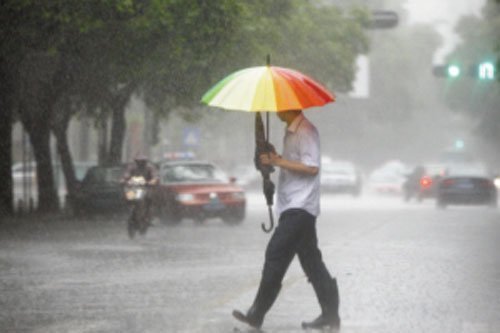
[238, 195]
[184, 197]
[497, 182]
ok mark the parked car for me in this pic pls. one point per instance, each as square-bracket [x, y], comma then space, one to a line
[341, 177]
[24, 172]
[99, 191]
[198, 190]
[389, 178]
[466, 185]
[27, 171]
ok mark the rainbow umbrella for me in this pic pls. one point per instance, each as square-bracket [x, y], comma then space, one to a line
[271, 89]
[267, 88]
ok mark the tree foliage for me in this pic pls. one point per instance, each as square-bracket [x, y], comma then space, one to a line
[62, 57]
[478, 99]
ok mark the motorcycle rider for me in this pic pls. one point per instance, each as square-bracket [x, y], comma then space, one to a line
[411, 186]
[143, 167]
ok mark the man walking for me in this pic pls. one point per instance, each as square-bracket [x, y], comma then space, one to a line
[298, 197]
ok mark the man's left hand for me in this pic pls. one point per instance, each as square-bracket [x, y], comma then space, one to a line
[270, 158]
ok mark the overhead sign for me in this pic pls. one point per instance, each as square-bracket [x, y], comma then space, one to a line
[383, 19]
[191, 136]
[361, 84]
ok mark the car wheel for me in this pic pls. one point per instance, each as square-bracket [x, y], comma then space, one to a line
[75, 209]
[234, 217]
[199, 220]
[170, 215]
[440, 204]
[493, 203]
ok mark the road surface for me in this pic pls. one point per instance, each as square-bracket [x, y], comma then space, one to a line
[401, 267]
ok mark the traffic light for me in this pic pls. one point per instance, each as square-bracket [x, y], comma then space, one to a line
[452, 71]
[459, 144]
[486, 70]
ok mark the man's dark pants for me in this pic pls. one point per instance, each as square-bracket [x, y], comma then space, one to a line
[295, 234]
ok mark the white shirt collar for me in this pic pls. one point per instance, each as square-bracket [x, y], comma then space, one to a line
[296, 123]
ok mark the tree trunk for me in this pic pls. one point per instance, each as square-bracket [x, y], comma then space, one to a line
[117, 135]
[6, 106]
[118, 104]
[43, 79]
[60, 130]
[48, 200]
[102, 144]
[6, 190]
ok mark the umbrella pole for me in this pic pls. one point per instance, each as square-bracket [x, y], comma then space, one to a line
[271, 220]
[269, 207]
[267, 127]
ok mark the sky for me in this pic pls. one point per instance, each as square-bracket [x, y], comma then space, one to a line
[443, 14]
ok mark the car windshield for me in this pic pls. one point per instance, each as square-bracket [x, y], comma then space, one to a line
[24, 168]
[477, 170]
[435, 170]
[99, 175]
[342, 169]
[187, 173]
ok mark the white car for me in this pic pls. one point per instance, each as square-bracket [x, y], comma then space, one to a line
[340, 177]
[389, 178]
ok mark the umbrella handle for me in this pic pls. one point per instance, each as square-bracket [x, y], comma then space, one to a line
[271, 219]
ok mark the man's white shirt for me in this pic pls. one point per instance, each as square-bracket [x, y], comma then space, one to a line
[297, 190]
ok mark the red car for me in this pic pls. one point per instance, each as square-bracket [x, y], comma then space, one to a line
[198, 190]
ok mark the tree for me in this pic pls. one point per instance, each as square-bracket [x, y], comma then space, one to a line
[6, 107]
[93, 52]
[477, 99]
[66, 57]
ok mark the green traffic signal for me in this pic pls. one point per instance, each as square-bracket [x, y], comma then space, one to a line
[453, 71]
[486, 70]
[449, 71]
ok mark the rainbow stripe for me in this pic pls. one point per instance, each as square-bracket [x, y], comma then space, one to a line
[267, 88]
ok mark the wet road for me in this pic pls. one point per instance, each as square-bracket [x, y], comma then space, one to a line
[401, 268]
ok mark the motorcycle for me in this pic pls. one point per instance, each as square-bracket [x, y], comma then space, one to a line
[413, 183]
[135, 191]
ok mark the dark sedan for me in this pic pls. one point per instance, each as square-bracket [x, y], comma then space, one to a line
[466, 186]
[198, 190]
[99, 191]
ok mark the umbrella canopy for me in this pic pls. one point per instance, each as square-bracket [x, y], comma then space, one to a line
[267, 88]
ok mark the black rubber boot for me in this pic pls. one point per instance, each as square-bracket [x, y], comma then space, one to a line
[265, 298]
[328, 297]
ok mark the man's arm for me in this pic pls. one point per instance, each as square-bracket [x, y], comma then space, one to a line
[277, 160]
[126, 174]
[155, 177]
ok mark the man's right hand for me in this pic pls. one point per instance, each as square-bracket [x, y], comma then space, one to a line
[270, 159]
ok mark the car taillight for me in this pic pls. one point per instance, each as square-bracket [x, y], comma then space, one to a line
[486, 183]
[425, 182]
